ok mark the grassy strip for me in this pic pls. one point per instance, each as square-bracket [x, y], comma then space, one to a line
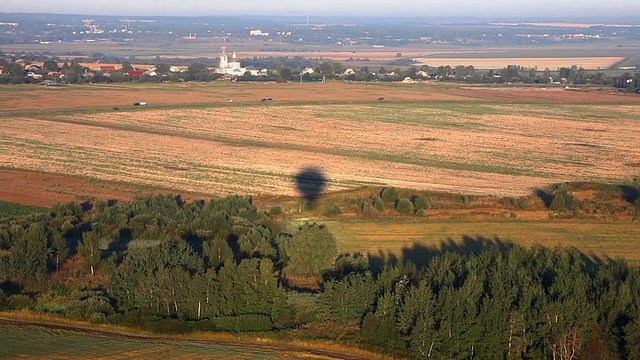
[40, 335]
[9, 209]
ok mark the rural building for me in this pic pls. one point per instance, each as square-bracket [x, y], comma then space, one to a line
[257, 32]
[349, 72]
[307, 71]
[230, 66]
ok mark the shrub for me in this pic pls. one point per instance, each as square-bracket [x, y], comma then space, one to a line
[558, 203]
[168, 326]
[251, 322]
[3, 301]
[275, 210]
[466, 199]
[420, 212]
[389, 194]
[351, 200]
[422, 202]
[378, 203]
[21, 302]
[564, 201]
[98, 318]
[404, 206]
[332, 210]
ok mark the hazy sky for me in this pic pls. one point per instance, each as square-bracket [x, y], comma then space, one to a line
[485, 8]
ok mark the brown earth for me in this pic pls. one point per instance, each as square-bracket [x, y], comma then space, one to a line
[44, 189]
[29, 97]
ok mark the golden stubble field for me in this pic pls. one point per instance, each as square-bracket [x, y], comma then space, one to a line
[467, 143]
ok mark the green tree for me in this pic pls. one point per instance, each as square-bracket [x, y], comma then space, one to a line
[389, 194]
[16, 73]
[217, 251]
[51, 65]
[310, 251]
[89, 250]
[162, 68]
[29, 255]
[422, 202]
[404, 206]
[326, 68]
[59, 248]
[285, 73]
[126, 66]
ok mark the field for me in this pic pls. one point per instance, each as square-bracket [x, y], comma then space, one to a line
[589, 56]
[38, 341]
[498, 141]
[418, 240]
[86, 142]
[541, 63]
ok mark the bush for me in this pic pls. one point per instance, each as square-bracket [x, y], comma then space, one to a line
[86, 309]
[275, 210]
[168, 326]
[98, 318]
[466, 199]
[564, 201]
[404, 206]
[332, 210]
[389, 194]
[351, 200]
[21, 302]
[422, 202]
[420, 212]
[558, 203]
[378, 203]
[251, 322]
[4, 303]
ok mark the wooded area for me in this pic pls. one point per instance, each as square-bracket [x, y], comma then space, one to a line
[169, 266]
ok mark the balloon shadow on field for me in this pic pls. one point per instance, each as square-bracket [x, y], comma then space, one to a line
[310, 183]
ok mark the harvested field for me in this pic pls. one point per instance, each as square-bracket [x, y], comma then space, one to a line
[418, 240]
[29, 98]
[474, 144]
[541, 63]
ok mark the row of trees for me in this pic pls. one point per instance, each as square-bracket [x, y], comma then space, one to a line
[223, 265]
[291, 69]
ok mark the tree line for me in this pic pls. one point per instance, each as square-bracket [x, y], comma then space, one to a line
[170, 266]
[296, 69]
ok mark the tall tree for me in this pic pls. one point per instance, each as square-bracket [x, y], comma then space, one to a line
[89, 250]
[310, 251]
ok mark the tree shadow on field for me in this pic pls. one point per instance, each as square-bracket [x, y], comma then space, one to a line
[630, 193]
[546, 197]
[421, 254]
[310, 183]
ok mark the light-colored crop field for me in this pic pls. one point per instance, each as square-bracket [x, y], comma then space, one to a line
[473, 145]
[552, 63]
[416, 240]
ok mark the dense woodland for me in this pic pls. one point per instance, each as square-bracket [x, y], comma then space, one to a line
[169, 266]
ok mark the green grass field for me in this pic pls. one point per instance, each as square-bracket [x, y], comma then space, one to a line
[8, 209]
[35, 342]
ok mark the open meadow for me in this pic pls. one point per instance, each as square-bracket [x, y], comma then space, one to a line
[86, 142]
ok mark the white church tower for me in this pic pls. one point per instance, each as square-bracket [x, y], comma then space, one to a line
[224, 59]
